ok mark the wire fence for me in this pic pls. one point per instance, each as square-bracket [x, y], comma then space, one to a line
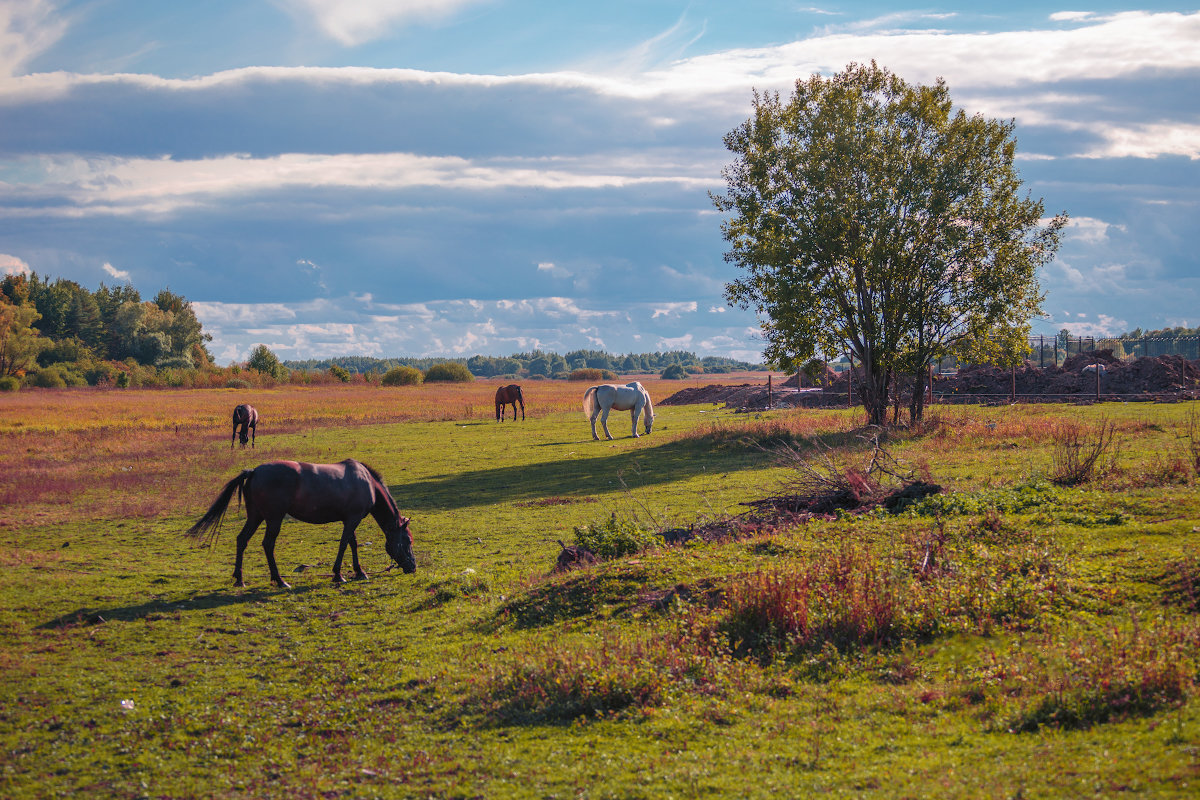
[1054, 350]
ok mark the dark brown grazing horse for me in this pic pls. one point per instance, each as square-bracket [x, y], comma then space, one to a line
[509, 394]
[345, 492]
[245, 416]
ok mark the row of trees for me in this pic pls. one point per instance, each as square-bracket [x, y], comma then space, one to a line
[61, 327]
[541, 363]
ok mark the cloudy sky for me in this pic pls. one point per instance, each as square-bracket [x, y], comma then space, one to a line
[451, 177]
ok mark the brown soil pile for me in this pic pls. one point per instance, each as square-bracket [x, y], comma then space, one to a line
[1164, 378]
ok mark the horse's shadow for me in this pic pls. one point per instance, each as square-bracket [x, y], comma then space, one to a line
[86, 616]
[645, 466]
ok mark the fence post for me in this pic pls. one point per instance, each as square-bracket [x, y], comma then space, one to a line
[768, 391]
[1041, 351]
[931, 384]
[1097, 380]
[850, 384]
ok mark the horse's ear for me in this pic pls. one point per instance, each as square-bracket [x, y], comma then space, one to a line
[403, 521]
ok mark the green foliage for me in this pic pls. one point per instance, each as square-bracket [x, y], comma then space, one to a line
[340, 373]
[1034, 495]
[234, 383]
[47, 378]
[674, 372]
[591, 374]
[9, 384]
[449, 372]
[401, 376]
[19, 341]
[264, 361]
[615, 538]
[871, 219]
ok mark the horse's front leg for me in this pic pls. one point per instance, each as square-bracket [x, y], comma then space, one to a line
[253, 430]
[634, 415]
[233, 437]
[348, 538]
[273, 526]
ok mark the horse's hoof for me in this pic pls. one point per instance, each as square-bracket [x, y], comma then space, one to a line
[337, 578]
[361, 576]
[282, 584]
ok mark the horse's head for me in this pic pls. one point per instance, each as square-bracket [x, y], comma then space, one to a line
[244, 434]
[648, 420]
[399, 545]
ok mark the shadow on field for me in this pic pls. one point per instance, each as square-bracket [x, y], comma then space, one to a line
[666, 463]
[163, 608]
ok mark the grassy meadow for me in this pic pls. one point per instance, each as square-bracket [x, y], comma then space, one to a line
[1010, 637]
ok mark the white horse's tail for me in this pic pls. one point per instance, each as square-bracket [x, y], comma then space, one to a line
[589, 402]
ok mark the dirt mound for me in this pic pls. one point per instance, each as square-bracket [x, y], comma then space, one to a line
[1163, 378]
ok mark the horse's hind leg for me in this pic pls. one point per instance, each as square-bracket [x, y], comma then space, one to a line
[604, 423]
[252, 523]
[273, 526]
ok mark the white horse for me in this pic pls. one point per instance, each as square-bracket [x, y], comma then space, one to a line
[632, 397]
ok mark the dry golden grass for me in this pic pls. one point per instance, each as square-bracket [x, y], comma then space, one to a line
[121, 452]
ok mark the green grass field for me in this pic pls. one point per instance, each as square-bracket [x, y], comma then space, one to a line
[1010, 638]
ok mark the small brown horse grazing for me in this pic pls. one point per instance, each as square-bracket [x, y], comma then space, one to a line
[509, 394]
[245, 416]
[345, 492]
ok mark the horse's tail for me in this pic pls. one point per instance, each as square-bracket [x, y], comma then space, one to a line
[589, 402]
[209, 525]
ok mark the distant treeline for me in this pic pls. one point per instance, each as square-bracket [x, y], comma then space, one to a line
[56, 332]
[539, 362]
[1178, 332]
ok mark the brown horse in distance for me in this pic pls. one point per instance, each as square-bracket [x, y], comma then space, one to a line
[345, 492]
[247, 418]
[509, 394]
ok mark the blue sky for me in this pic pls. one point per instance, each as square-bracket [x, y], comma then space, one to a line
[451, 177]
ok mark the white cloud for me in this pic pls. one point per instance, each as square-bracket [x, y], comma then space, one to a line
[1089, 230]
[119, 274]
[27, 28]
[132, 186]
[11, 265]
[352, 23]
[673, 309]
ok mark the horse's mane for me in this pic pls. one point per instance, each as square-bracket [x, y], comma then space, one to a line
[374, 472]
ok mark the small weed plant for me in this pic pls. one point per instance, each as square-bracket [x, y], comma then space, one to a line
[1079, 452]
[615, 538]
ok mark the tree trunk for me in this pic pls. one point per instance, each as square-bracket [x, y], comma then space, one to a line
[916, 407]
[874, 392]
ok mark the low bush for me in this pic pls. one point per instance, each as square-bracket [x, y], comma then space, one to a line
[615, 538]
[591, 374]
[1078, 452]
[674, 373]
[449, 372]
[401, 376]
[9, 384]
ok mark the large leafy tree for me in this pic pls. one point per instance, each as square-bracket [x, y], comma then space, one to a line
[19, 341]
[871, 218]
